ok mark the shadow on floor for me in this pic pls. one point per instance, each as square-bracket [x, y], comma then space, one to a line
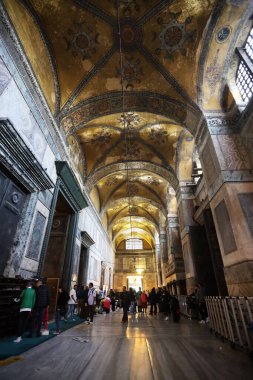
[8, 348]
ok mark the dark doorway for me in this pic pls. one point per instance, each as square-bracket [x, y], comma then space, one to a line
[83, 266]
[12, 199]
[58, 255]
[202, 260]
[215, 253]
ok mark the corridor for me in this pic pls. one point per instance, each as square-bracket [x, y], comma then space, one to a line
[147, 348]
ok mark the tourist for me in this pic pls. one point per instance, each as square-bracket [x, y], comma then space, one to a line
[200, 297]
[91, 302]
[152, 301]
[107, 304]
[112, 296]
[165, 301]
[138, 300]
[132, 300]
[27, 299]
[80, 294]
[84, 313]
[125, 303]
[144, 302]
[42, 302]
[61, 308]
[72, 303]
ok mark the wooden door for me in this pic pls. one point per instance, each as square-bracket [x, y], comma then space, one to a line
[12, 199]
[52, 285]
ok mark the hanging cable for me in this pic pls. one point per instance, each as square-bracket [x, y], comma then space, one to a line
[125, 124]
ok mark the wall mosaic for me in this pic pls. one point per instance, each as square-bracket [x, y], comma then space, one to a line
[174, 35]
[234, 152]
[76, 154]
[130, 120]
[131, 72]
[82, 40]
[141, 102]
[214, 72]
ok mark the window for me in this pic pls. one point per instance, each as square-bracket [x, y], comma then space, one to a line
[134, 244]
[244, 78]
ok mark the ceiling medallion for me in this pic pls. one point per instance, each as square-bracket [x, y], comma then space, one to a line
[130, 35]
[130, 120]
[133, 210]
[131, 72]
[82, 40]
[158, 136]
[223, 34]
[174, 35]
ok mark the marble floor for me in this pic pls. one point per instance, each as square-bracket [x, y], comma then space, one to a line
[147, 348]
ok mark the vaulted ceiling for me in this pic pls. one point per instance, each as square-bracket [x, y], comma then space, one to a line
[127, 82]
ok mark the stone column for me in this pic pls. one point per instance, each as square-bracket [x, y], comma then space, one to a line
[185, 198]
[163, 253]
[175, 268]
[228, 174]
[158, 264]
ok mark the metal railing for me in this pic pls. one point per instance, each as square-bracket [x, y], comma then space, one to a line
[231, 318]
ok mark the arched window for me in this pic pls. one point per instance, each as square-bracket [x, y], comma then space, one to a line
[244, 78]
[134, 244]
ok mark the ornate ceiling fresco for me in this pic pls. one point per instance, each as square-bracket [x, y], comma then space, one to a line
[129, 107]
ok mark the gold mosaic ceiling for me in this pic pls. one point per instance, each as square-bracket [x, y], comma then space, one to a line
[157, 81]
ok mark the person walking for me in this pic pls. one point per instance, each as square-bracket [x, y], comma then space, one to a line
[91, 302]
[138, 300]
[72, 303]
[27, 299]
[144, 302]
[42, 301]
[80, 295]
[153, 300]
[61, 308]
[125, 303]
[112, 296]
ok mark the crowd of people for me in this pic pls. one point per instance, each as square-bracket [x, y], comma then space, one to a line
[159, 301]
[85, 301]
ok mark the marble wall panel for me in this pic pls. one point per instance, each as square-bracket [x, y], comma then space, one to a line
[186, 258]
[22, 119]
[209, 163]
[36, 240]
[5, 77]
[224, 225]
[246, 202]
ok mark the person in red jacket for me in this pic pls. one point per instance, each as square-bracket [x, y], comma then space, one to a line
[144, 302]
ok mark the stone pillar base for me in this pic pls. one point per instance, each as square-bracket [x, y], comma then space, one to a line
[239, 278]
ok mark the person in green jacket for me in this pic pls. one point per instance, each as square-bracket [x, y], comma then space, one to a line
[27, 299]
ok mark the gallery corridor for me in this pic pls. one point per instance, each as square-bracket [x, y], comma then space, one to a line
[147, 348]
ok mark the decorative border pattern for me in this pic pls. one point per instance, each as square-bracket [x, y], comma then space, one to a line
[20, 161]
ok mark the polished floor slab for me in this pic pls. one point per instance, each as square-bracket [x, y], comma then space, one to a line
[147, 348]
